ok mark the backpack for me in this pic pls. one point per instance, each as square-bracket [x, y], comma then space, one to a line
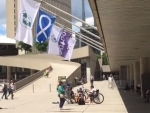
[81, 101]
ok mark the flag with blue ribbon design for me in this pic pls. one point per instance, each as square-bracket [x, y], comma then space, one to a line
[44, 26]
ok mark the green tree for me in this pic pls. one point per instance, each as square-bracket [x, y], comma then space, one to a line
[42, 47]
[23, 46]
[98, 56]
[104, 59]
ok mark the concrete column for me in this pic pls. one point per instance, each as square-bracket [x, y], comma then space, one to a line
[136, 70]
[131, 72]
[88, 70]
[128, 74]
[8, 73]
[31, 71]
[144, 68]
[123, 75]
[123, 72]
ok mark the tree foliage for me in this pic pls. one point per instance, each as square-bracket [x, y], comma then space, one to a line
[104, 59]
[23, 46]
[98, 56]
[42, 47]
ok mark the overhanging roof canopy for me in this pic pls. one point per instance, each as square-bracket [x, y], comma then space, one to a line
[6, 40]
[124, 26]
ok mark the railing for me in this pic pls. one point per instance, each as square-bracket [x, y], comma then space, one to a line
[26, 81]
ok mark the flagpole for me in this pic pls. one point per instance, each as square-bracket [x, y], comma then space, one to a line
[78, 34]
[70, 31]
[73, 24]
[69, 15]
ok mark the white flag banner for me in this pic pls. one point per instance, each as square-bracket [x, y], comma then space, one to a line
[27, 13]
[71, 44]
[61, 43]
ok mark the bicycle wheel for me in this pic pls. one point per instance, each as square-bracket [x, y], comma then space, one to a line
[99, 98]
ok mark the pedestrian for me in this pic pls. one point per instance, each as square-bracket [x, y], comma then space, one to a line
[10, 89]
[46, 73]
[75, 81]
[92, 80]
[104, 77]
[110, 81]
[61, 94]
[5, 91]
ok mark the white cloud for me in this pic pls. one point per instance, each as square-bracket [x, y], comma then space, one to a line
[90, 20]
[2, 12]
[3, 27]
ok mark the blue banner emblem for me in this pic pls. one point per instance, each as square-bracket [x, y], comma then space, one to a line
[44, 26]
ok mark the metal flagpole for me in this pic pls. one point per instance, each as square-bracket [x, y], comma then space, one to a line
[69, 14]
[79, 36]
[78, 33]
[83, 41]
[71, 23]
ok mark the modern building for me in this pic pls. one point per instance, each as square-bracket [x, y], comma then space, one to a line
[84, 61]
[12, 15]
[90, 36]
[80, 43]
[124, 28]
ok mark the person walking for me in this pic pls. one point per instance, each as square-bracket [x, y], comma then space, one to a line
[110, 81]
[10, 89]
[92, 80]
[104, 77]
[61, 95]
[5, 91]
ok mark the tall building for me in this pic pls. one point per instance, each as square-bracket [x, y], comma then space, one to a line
[82, 44]
[90, 36]
[12, 8]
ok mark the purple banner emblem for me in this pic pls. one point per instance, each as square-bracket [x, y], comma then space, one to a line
[63, 43]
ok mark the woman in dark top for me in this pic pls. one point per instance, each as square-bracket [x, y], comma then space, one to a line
[5, 91]
[61, 94]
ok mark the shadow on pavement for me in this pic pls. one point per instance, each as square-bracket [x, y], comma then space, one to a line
[134, 103]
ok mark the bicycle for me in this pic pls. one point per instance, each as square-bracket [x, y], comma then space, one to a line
[98, 98]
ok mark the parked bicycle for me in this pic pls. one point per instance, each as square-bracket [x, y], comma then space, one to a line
[98, 98]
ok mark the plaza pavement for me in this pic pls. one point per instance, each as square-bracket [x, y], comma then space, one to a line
[26, 101]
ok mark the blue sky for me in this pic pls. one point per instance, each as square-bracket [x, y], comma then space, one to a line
[76, 11]
[2, 17]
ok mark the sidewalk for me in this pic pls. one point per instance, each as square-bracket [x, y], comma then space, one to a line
[27, 102]
[134, 103]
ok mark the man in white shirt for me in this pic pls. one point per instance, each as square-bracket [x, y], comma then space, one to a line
[92, 89]
[91, 95]
[91, 79]
[110, 81]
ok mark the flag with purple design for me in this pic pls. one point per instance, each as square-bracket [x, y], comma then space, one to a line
[59, 42]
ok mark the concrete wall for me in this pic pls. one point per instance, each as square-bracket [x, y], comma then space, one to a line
[76, 73]
[10, 20]
[28, 80]
[82, 52]
[93, 61]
